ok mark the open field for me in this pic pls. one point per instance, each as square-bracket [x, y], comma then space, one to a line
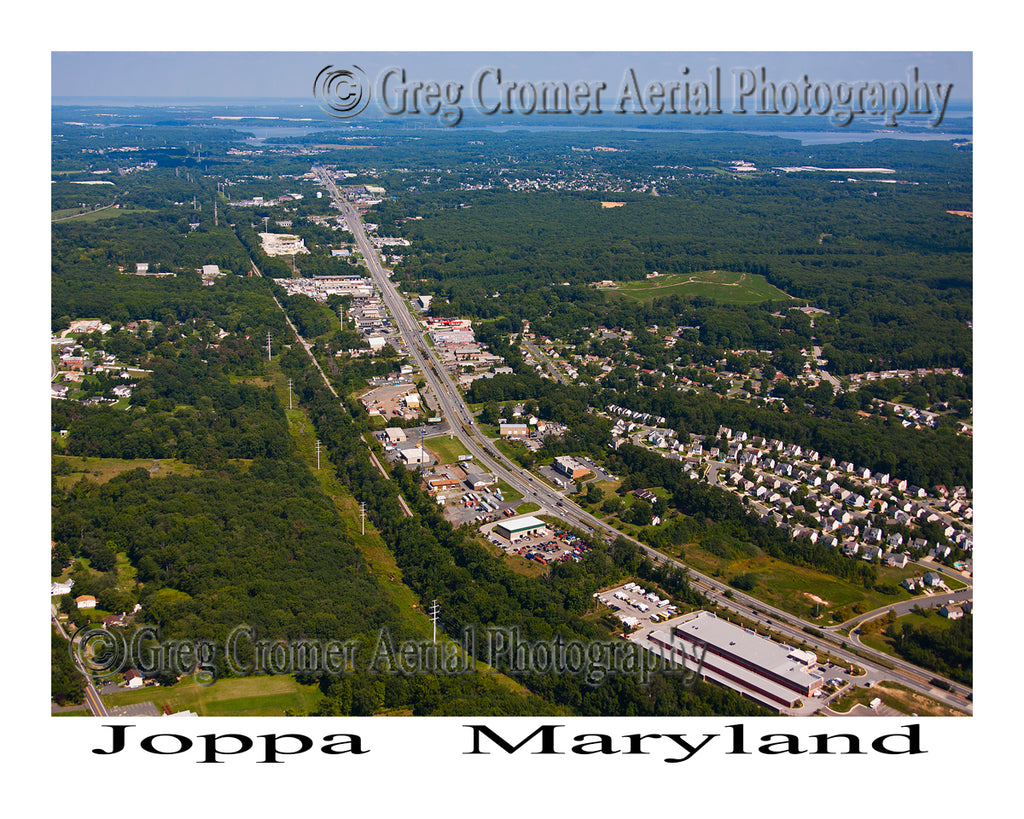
[446, 449]
[97, 215]
[897, 697]
[102, 470]
[801, 590]
[721, 285]
[245, 697]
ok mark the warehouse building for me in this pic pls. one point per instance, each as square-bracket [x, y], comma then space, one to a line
[758, 667]
[515, 528]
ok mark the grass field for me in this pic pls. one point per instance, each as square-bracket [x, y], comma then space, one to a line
[246, 697]
[801, 590]
[76, 215]
[446, 449]
[508, 493]
[721, 285]
[102, 470]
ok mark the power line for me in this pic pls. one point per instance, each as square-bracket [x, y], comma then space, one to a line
[434, 609]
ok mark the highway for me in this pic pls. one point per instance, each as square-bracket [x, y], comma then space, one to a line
[462, 425]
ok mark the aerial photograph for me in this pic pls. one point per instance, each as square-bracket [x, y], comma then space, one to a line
[534, 384]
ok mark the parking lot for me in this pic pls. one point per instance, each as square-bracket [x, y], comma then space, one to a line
[634, 602]
[549, 545]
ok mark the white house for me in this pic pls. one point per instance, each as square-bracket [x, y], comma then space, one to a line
[57, 589]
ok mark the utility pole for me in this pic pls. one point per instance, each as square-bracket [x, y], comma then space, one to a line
[268, 345]
[318, 453]
[362, 517]
[434, 609]
[289, 393]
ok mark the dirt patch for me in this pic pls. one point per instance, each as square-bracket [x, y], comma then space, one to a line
[612, 204]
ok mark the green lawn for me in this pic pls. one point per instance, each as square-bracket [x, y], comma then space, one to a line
[447, 449]
[721, 285]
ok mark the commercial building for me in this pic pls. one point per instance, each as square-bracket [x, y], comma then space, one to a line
[519, 527]
[479, 480]
[756, 666]
[514, 430]
[435, 485]
[570, 467]
[413, 455]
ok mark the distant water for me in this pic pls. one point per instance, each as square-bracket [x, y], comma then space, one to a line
[201, 111]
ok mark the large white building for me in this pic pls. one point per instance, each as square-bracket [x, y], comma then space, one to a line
[514, 528]
[756, 666]
[282, 244]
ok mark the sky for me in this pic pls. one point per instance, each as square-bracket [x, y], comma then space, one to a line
[283, 74]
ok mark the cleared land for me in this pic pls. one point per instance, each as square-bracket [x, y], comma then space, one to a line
[794, 588]
[897, 697]
[246, 697]
[446, 449]
[721, 285]
[102, 470]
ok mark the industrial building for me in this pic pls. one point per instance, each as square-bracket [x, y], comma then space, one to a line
[514, 528]
[756, 666]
